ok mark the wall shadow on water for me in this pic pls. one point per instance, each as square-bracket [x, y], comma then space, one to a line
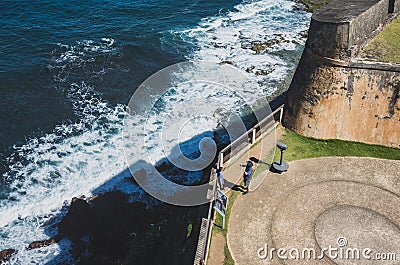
[111, 228]
[122, 224]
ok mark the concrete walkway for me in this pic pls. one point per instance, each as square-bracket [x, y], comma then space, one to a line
[233, 176]
[345, 203]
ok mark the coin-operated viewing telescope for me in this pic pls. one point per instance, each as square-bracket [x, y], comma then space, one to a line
[281, 166]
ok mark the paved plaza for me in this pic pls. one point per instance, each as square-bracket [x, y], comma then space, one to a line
[322, 211]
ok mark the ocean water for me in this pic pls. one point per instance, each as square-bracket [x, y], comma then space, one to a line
[68, 70]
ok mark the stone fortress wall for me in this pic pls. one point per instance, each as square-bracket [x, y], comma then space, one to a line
[334, 94]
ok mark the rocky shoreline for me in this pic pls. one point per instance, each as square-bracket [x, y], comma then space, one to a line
[6, 254]
[312, 5]
[108, 229]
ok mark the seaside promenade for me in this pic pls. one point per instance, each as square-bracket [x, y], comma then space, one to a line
[348, 203]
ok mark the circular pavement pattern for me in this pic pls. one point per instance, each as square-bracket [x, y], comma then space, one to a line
[364, 228]
[322, 211]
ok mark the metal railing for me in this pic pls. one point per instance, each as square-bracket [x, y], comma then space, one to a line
[225, 156]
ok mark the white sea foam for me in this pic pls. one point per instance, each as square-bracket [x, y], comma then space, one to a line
[82, 51]
[86, 157]
[230, 37]
[84, 58]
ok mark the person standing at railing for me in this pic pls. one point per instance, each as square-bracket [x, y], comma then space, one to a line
[248, 173]
[220, 178]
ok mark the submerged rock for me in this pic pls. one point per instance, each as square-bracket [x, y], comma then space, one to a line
[43, 243]
[250, 69]
[304, 34]
[263, 72]
[6, 254]
[227, 62]
[260, 46]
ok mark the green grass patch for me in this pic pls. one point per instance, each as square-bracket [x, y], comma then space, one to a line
[228, 258]
[218, 220]
[260, 169]
[386, 46]
[300, 147]
[218, 226]
[189, 229]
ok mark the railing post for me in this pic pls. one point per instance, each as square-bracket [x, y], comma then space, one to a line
[281, 115]
[253, 140]
[221, 160]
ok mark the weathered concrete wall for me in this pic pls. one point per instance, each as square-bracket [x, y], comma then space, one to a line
[396, 6]
[329, 39]
[339, 29]
[363, 26]
[360, 105]
[332, 97]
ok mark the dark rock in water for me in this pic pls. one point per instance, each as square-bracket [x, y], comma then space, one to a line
[219, 45]
[5, 255]
[78, 221]
[263, 72]
[43, 243]
[112, 230]
[259, 47]
[250, 69]
[299, 7]
[226, 62]
[312, 5]
[304, 34]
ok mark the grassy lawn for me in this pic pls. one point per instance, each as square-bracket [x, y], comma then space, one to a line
[218, 226]
[300, 147]
[386, 46]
